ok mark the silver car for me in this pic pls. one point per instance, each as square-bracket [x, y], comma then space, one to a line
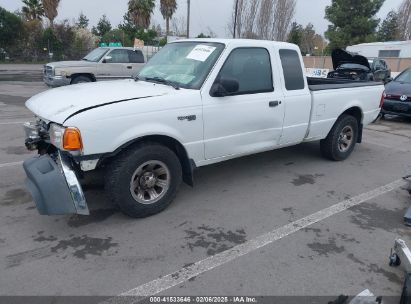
[104, 63]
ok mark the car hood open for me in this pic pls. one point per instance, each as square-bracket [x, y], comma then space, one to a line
[57, 105]
[340, 57]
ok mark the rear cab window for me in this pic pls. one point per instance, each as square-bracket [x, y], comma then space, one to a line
[136, 56]
[292, 69]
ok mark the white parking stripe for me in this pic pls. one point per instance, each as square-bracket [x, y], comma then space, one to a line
[11, 164]
[173, 279]
[12, 123]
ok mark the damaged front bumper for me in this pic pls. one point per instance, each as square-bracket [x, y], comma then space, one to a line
[54, 185]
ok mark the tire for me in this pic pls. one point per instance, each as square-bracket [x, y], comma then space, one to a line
[341, 140]
[81, 79]
[140, 173]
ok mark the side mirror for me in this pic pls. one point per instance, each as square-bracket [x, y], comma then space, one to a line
[224, 87]
[107, 59]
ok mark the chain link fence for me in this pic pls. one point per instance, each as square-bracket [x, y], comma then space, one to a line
[44, 55]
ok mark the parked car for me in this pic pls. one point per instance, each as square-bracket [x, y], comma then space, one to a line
[104, 63]
[197, 102]
[397, 99]
[357, 67]
[380, 69]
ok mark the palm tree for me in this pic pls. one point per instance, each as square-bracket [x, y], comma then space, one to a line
[168, 8]
[50, 9]
[140, 12]
[33, 9]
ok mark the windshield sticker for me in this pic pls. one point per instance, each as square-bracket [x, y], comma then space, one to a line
[201, 52]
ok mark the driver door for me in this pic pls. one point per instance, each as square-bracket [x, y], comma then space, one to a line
[250, 119]
[115, 65]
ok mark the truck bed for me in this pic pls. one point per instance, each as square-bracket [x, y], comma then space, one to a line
[327, 105]
[320, 84]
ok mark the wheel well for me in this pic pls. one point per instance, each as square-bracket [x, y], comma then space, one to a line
[357, 114]
[187, 164]
[91, 76]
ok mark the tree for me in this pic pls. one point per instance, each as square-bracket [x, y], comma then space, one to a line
[202, 35]
[128, 27]
[404, 20]
[140, 12]
[389, 29]
[84, 41]
[283, 14]
[307, 39]
[296, 34]
[33, 34]
[264, 19]
[117, 35]
[352, 22]
[103, 27]
[179, 26]
[307, 42]
[50, 10]
[167, 9]
[82, 21]
[32, 10]
[10, 28]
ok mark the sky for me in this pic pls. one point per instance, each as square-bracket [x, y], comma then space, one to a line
[205, 14]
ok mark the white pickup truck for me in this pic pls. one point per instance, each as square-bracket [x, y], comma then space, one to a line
[197, 102]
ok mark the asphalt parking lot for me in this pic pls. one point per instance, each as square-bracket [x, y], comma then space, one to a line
[232, 204]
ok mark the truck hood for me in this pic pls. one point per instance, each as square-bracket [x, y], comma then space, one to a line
[340, 57]
[57, 105]
[71, 64]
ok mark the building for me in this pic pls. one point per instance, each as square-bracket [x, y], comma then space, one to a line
[394, 49]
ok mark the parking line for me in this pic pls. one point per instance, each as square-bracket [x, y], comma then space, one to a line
[12, 123]
[11, 164]
[173, 279]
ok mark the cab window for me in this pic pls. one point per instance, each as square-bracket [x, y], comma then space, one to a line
[118, 56]
[293, 72]
[251, 67]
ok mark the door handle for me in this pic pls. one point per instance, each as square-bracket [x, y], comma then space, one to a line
[274, 104]
[129, 67]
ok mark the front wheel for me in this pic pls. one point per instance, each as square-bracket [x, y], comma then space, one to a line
[144, 179]
[341, 140]
[81, 79]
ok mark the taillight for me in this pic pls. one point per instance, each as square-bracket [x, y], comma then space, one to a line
[382, 99]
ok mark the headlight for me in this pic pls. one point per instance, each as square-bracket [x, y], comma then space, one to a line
[56, 136]
[68, 139]
[60, 73]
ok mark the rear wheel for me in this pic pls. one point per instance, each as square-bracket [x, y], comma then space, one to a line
[81, 79]
[341, 140]
[144, 180]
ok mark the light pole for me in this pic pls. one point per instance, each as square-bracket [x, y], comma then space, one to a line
[188, 18]
[235, 18]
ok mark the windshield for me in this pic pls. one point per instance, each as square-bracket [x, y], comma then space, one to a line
[404, 76]
[186, 64]
[96, 55]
